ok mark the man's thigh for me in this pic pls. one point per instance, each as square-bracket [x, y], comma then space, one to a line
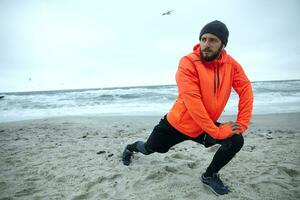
[163, 137]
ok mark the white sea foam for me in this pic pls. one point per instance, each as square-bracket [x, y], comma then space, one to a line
[270, 97]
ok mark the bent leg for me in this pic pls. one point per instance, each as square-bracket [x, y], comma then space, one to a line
[225, 153]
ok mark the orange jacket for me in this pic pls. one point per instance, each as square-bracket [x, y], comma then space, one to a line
[203, 91]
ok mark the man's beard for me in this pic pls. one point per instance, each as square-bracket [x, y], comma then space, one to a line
[212, 57]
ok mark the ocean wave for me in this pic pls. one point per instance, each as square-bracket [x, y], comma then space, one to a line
[269, 97]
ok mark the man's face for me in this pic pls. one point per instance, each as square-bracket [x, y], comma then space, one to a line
[211, 47]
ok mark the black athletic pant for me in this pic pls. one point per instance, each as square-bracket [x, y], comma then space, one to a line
[164, 136]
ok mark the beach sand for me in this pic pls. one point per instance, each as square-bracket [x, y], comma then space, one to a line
[80, 158]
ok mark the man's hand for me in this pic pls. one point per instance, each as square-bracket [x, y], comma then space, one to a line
[235, 127]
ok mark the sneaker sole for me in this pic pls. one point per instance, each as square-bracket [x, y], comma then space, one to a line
[211, 189]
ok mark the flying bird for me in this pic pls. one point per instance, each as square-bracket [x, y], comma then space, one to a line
[168, 13]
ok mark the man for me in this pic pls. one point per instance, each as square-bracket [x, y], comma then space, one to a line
[204, 79]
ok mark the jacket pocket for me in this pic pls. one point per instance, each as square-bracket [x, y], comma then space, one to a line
[183, 111]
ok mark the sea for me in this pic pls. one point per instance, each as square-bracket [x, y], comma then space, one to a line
[269, 97]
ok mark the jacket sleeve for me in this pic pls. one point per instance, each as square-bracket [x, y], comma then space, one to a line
[188, 86]
[242, 86]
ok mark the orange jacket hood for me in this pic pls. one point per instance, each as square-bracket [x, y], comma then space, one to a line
[203, 91]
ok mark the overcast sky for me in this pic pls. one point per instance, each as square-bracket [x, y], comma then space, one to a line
[68, 44]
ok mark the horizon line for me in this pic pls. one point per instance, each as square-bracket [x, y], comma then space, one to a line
[121, 87]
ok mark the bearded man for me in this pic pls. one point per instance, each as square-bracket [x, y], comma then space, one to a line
[205, 79]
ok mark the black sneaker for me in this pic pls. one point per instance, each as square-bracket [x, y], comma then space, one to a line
[126, 156]
[215, 184]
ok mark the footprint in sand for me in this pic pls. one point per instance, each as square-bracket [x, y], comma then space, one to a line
[102, 180]
[249, 148]
[178, 156]
[156, 175]
[192, 165]
[170, 169]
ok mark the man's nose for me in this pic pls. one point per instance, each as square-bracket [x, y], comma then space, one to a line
[206, 44]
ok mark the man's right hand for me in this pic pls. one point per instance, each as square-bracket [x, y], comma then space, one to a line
[227, 130]
[235, 127]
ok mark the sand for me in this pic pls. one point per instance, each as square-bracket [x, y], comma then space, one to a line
[79, 158]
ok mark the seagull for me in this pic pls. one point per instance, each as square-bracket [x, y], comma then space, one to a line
[168, 13]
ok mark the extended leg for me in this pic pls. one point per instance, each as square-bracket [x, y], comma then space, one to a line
[139, 146]
[162, 138]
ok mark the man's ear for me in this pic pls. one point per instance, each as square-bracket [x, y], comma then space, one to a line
[223, 46]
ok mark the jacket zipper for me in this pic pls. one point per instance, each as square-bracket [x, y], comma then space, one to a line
[216, 79]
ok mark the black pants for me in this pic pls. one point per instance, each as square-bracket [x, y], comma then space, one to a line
[164, 136]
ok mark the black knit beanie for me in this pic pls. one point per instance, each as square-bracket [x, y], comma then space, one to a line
[217, 28]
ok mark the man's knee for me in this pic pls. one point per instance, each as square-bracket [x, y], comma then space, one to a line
[237, 142]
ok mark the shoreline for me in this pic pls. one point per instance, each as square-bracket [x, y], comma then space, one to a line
[78, 157]
[223, 117]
